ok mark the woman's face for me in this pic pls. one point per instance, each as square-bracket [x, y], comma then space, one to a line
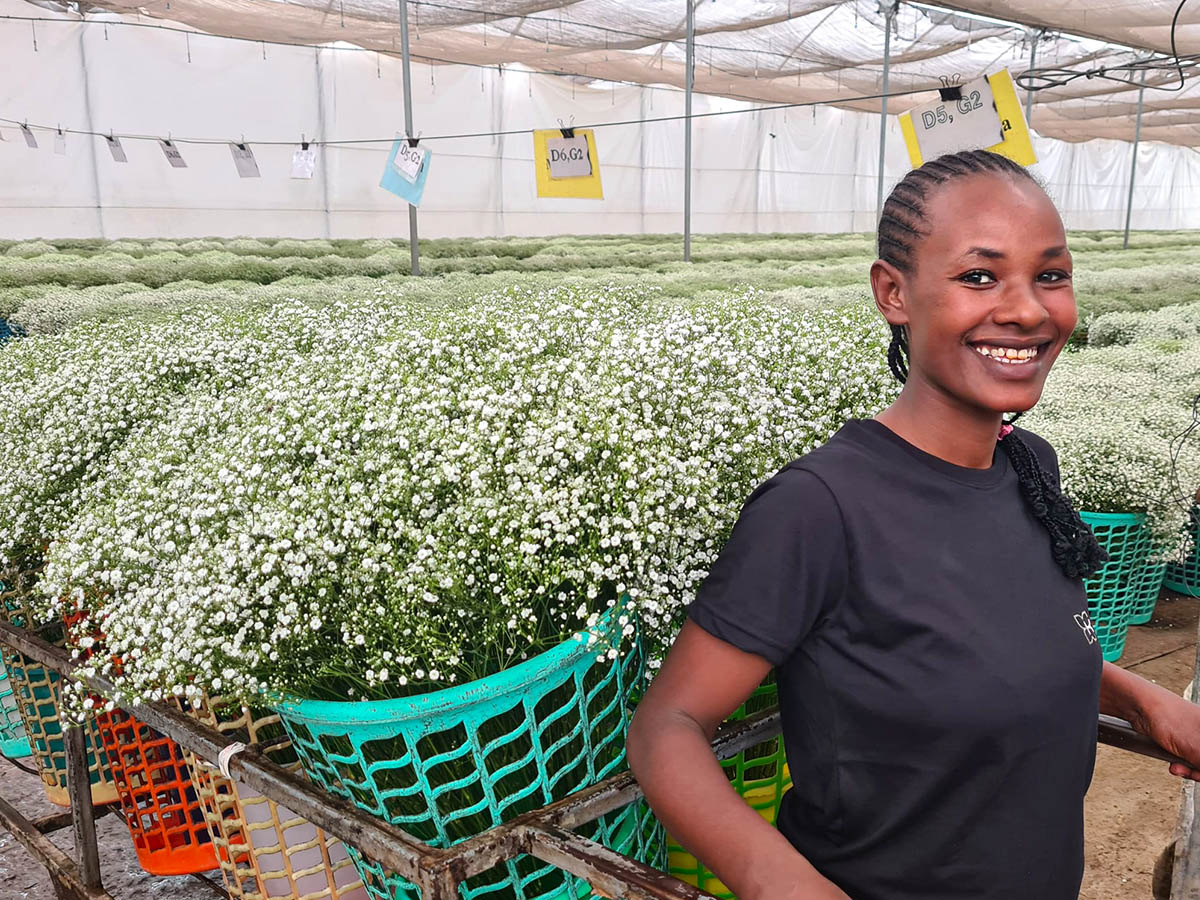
[989, 303]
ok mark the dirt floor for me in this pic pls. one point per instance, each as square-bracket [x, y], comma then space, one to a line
[1131, 807]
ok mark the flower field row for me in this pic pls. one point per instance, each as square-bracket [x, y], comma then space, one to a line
[51, 289]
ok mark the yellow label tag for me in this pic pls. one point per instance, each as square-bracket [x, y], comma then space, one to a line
[585, 186]
[1017, 144]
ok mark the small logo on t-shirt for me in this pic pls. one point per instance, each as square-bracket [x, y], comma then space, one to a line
[1084, 621]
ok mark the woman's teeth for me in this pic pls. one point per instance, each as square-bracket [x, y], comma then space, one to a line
[1007, 355]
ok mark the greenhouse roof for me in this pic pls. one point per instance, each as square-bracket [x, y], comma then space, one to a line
[776, 51]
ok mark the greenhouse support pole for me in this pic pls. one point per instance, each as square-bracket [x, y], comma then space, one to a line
[406, 60]
[1137, 137]
[1032, 61]
[889, 14]
[689, 81]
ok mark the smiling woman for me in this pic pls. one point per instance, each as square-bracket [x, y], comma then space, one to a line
[916, 584]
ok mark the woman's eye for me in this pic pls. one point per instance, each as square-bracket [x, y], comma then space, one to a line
[977, 276]
[1054, 276]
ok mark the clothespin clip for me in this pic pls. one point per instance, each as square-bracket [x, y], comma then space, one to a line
[303, 142]
[950, 89]
[242, 144]
[568, 131]
[413, 141]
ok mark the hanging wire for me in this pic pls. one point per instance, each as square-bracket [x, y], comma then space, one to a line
[481, 134]
[1040, 79]
[1184, 497]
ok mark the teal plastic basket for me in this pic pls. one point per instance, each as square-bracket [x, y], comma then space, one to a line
[13, 743]
[1123, 581]
[1184, 577]
[1148, 585]
[448, 765]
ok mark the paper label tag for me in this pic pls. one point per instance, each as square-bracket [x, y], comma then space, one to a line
[60, 144]
[397, 182]
[30, 140]
[171, 152]
[408, 161]
[243, 158]
[304, 162]
[969, 123]
[568, 157]
[115, 148]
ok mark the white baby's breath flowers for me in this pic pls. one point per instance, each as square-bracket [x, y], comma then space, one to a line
[382, 497]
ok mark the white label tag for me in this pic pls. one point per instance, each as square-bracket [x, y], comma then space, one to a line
[304, 162]
[408, 160]
[171, 152]
[60, 144]
[243, 158]
[115, 148]
[30, 140]
[969, 123]
[568, 157]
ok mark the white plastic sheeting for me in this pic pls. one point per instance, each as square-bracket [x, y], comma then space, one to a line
[765, 50]
[807, 169]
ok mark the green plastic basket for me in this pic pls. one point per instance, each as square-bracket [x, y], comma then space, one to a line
[13, 743]
[448, 765]
[1122, 582]
[759, 774]
[1184, 577]
[1148, 585]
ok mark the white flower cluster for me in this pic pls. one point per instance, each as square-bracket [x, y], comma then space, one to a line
[416, 495]
[1117, 416]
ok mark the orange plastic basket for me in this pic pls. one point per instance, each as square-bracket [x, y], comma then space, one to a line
[164, 816]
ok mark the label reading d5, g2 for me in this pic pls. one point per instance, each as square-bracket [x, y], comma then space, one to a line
[968, 123]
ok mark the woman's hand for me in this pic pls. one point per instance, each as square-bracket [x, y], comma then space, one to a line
[1166, 718]
[1174, 724]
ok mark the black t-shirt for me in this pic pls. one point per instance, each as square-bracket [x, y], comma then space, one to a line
[938, 676]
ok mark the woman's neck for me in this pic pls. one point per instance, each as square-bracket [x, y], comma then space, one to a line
[944, 429]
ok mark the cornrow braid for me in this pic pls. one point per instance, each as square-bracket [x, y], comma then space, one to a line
[901, 228]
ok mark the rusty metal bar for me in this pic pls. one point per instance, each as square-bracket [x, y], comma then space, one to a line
[83, 817]
[607, 871]
[64, 873]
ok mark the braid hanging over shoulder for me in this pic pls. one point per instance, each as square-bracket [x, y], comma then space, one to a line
[1072, 543]
[901, 227]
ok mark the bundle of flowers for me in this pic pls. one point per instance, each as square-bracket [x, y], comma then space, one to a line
[448, 492]
[1168, 325]
[1117, 417]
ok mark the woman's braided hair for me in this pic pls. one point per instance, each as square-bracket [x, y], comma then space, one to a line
[901, 228]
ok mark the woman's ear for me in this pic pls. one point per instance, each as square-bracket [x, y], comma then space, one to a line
[887, 284]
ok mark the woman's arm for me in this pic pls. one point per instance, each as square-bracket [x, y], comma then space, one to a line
[701, 682]
[1171, 721]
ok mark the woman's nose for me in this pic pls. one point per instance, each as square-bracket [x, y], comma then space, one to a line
[1021, 305]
